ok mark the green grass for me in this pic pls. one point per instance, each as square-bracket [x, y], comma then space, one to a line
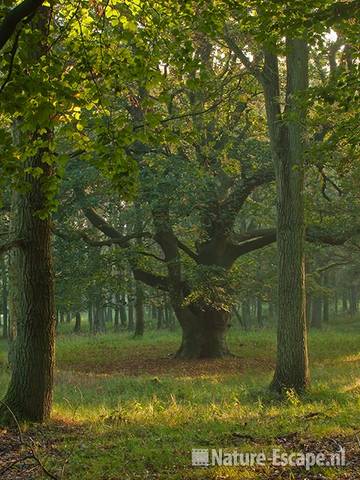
[125, 410]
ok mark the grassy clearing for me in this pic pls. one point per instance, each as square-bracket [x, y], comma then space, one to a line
[125, 410]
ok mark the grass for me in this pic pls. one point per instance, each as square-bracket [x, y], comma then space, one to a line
[123, 409]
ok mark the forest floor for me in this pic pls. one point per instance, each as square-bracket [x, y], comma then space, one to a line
[124, 409]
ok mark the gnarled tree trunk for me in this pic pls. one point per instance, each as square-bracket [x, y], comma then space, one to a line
[203, 334]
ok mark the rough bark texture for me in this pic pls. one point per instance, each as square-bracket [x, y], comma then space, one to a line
[203, 335]
[29, 393]
[287, 137]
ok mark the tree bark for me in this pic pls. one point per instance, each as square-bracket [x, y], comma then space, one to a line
[292, 369]
[203, 334]
[29, 393]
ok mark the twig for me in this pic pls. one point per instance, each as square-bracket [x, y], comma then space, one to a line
[31, 447]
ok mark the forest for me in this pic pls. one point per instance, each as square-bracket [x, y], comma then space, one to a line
[179, 240]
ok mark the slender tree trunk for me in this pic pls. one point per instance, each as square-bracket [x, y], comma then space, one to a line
[139, 310]
[259, 314]
[245, 314]
[325, 299]
[131, 325]
[123, 314]
[292, 369]
[90, 316]
[160, 318]
[116, 320]
[353, 301]
[316, 312]
[77, 327]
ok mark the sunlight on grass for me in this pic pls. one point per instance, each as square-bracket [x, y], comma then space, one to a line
[118, 419]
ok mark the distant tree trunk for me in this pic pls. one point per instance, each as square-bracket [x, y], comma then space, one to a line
[271, 311]
[325, 299]
[131, 325]
[336, 304]
[203, 335]
[68, 317]
[109, 315]
[98, 316]
[139, 310]
[171, 316]
[116, 319]
[77, 327]
[353, 301]
[287, 137]
[326, 309]
[90, 316]
[245, 314]
[123, 314]
[160, 318]
[259, 314]
[316, 311]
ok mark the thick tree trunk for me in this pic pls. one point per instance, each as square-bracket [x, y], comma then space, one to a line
[29, 393]
[203, 335]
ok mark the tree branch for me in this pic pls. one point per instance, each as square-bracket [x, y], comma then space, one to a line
[5, 247]
[187, 250]
[151, 279]
[15, 16]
